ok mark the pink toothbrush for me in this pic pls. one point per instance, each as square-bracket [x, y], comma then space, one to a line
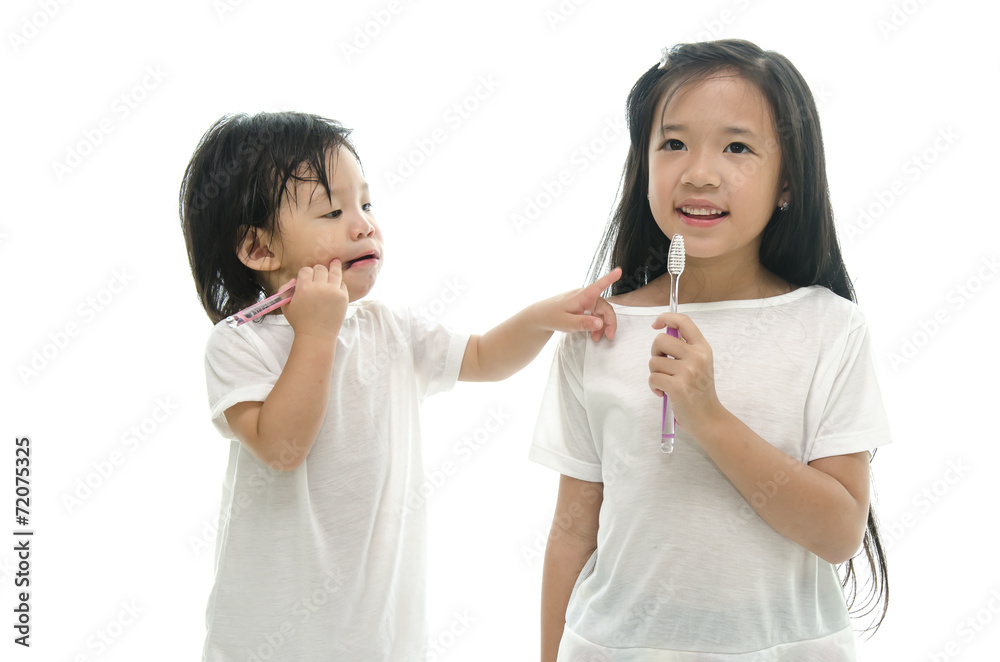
[276, 300]
[675, 265]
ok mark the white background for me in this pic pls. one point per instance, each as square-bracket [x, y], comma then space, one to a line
[142, 539]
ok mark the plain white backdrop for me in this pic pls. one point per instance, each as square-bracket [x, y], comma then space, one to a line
[464, 115]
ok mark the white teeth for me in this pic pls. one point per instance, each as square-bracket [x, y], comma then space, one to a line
[699, 211]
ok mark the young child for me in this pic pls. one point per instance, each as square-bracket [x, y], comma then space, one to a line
[728, 548]
[320, 553]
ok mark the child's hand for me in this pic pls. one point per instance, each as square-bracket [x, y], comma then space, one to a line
[319, 303]
[688, 378]
[583, 309]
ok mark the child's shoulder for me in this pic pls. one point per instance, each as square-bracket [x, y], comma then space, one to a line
[828, 306]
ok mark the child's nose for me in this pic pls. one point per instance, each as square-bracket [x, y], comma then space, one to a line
[361, 225]
[701, 170]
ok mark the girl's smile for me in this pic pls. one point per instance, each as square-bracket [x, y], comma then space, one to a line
[700, 213]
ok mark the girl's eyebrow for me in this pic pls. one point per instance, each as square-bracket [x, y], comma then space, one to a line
[729, 130]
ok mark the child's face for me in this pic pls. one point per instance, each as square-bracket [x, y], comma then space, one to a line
[715, 151]
[315, 229]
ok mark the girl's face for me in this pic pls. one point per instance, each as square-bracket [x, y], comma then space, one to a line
[714, 164]
[315, 229]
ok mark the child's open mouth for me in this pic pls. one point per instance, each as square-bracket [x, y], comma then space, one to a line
[363, 261]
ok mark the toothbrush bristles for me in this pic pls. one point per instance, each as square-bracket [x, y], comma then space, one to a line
[675, 258]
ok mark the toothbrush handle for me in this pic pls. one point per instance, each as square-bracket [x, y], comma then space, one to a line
[276, 300]
[667, 430]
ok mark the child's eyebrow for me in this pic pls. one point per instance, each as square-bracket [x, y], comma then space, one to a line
[319, 196]
[729, 130]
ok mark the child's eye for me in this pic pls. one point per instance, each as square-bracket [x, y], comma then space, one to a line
[738, 148]
[333, 214]
[673, 145]
[367, 206]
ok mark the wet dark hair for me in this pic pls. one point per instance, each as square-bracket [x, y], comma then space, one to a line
[799, 245]
[242, 170]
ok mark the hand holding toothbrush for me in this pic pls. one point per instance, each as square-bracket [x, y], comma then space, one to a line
[319, 301]
[683, 370]
[315, 301]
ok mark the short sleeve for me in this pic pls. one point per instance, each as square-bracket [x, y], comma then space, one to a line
[238, 368]
[437, 353]
[563, 438]
[854, 417]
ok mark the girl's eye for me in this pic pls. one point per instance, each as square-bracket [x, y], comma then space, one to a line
[367, 206]
[738, 148]
[333, 214]
[673, 145]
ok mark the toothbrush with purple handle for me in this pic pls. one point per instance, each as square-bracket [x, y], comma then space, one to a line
[675, 265]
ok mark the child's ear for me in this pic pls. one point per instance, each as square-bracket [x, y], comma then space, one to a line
[255, 251]
[786, 195]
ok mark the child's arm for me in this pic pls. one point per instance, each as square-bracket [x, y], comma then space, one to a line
[511, 345]
[822, 505]
[281, 430]
[572, 540]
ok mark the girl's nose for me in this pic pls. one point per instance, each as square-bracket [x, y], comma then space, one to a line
[701, 171]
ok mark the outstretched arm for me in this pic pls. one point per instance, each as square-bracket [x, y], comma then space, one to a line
[508, 347]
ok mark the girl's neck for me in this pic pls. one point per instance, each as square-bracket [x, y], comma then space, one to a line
[707, 280]
[698, 286]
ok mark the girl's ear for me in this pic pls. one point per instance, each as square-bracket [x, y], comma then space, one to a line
[786, 195]
[255, 251]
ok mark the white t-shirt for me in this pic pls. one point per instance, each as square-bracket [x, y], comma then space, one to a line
[327, 562]
[685, 569]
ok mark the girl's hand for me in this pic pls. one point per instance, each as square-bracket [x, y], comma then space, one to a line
[683, 368]
[582, 310]
[319, 302]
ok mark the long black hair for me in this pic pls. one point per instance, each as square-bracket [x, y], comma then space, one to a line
[241, 171]
[799, 245]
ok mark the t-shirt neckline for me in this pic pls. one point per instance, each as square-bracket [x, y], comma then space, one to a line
[778, 300]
